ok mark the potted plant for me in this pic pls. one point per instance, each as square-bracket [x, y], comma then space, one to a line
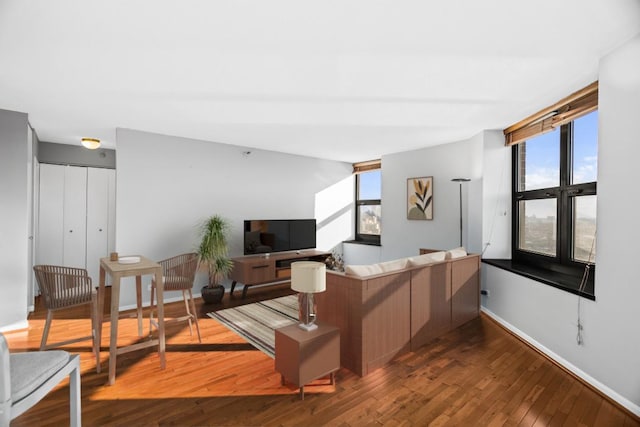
[213, 251]
[334, 262]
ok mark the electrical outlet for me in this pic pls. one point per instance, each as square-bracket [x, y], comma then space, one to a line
[484, 292]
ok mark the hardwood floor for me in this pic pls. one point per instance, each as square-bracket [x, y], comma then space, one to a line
[477, 375]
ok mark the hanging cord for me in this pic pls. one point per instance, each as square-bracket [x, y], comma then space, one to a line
[501, 184]
[583, 283]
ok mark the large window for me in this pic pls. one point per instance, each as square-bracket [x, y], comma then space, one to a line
[554, 199]
[368, 204]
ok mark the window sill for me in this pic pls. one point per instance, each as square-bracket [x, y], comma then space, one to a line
[566, 282]
[362, 242]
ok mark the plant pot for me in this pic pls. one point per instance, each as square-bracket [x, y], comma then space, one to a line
[212, 294]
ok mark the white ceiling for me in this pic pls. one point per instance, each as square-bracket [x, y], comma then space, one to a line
[336, 79]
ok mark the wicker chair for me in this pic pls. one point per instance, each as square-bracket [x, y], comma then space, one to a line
[64, 287]
[178, 274]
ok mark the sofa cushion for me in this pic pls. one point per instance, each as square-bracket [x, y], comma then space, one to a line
[394, 265]
[30, 369]
[363, 270]
[455, 253]
[426, 259]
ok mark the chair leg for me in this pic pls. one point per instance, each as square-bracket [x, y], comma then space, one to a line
[75, 397]
[153, 288]
[195, 314]
[45, 332]
[139, 303]
[94, 329]
[186, 306]
[5, 413]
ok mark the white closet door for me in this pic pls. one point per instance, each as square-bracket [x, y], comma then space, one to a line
[30, 216]
[112, 210]
[50, 216]
[36, 231]
[98, 230]
[75, 217]
[112, 216]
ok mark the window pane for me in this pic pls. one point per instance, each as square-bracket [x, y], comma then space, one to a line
[539, 160]
[584, 227]
[369, 219]
[369, 185]
[585, 148]
[538, 226]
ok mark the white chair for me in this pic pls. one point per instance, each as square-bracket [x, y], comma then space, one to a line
[25, 378]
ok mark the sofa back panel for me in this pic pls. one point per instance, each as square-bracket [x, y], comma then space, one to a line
[379, 316]
[428, 250]
[465, 289]
[341, 305]
[387, 319]
[430, 303]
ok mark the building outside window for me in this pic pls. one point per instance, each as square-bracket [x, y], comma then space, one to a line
[368, 203]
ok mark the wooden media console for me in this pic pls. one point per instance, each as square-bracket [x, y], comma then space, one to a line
[251, 270]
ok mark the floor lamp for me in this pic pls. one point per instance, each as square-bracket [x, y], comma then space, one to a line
[460, 181]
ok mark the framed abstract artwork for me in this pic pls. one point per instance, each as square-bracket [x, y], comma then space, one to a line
[420, 198]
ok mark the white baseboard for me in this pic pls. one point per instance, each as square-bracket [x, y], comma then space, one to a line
[626, 403]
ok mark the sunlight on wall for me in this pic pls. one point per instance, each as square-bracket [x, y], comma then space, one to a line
[335, 232]
[334, 211]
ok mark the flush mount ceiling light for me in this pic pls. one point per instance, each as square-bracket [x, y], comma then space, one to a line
[91, 143]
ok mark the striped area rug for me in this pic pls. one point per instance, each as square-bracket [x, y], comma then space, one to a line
[258, 321]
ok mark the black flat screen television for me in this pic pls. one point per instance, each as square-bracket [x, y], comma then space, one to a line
[278, 235]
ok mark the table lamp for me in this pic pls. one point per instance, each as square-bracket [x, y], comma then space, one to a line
[308, 278]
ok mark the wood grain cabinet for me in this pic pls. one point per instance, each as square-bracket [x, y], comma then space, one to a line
[385, 315]
[430, 304]
[303, 356]
[465, 291]
[443, 298]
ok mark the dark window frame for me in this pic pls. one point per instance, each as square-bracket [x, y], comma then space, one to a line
[562, 263]
[372, 239]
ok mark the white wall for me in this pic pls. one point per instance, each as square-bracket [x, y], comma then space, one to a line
[14, 220]
[547, 317]
[402, 237]
[496, 200]
[166, 187]
[335, 214]
[358, 253]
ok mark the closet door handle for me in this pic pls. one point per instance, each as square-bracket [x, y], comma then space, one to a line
[100, 229]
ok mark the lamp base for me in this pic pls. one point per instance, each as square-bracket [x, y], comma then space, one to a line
[306, 311]
[309, 327]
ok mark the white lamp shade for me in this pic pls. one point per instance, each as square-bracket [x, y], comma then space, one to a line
[308, 276]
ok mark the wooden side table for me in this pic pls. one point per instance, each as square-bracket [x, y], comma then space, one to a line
[302, 356]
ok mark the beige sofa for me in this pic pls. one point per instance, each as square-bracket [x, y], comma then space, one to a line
[388, 309]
